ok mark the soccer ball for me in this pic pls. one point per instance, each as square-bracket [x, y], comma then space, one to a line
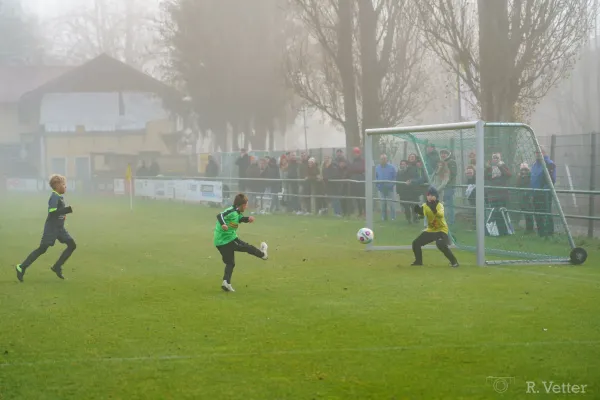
[365, 235]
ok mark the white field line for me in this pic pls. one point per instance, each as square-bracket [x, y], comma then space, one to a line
[225, 354]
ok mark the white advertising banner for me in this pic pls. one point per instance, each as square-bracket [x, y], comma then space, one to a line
[32, 185]
[189, 190]
[23, 185]
[119, 186]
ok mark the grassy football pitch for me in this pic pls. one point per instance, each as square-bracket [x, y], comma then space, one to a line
[142, 316]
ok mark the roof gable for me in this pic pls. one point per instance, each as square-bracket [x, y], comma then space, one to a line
[103, 74]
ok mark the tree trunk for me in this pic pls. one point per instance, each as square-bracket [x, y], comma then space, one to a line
[244, 128]
[346, 65]
[258, 140]
[498, 96]
[271, 133]
[499, 93]
[367, 20]
[219, 131]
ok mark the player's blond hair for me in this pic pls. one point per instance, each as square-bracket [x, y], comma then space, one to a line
[55, 180]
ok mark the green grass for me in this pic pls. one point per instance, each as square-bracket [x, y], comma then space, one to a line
[142, 316]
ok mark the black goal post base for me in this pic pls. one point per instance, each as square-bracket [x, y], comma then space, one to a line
[578, 256]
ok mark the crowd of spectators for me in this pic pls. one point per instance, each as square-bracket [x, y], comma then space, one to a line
[301, 184]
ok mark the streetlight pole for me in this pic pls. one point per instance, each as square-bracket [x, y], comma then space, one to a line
[305, 131]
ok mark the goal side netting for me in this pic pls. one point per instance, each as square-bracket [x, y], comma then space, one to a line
[496, 186]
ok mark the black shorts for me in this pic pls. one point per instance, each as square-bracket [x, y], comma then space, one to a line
[51, 235]
[428, 237]
[228, 250]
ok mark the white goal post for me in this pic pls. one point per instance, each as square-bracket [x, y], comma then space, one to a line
[476, 131]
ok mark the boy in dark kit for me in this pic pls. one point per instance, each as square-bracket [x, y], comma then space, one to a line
[54, 229]
[437, 229]
[227, 241]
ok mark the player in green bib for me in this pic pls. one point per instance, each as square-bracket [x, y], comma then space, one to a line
[227, 241]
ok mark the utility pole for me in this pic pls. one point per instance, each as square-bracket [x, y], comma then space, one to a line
[129, 9]
[305, 130]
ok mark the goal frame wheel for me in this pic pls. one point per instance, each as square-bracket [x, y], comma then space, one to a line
[578, 256]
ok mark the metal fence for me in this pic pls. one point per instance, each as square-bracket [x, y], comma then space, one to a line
[317, 197]
[577, 158]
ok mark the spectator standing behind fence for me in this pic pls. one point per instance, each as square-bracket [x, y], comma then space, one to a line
[142, 171]
[471, 193]
[305, 185]
[497, 174]
[403, 188]
[264, 186]
[525, 197]
[212, 168]
[448, 196]
[243, 163]
[472, 159]
[440, 178]
[283, 174]
[330, 172]
[417, 178]
[339, 155]
[431, 159]
[343, 188]
[542, 199]
[293, 173]
[356, 170]
[420, 184]
[272, 184]
[154, 169]
[471, 190]
[313, 183]
[386, 172]
[253, 184]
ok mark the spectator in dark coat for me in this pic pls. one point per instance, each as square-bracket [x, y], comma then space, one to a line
[356, 171]
[525, 196]
[212, 168]
[243, 162]
[293, 176]
[542, 200]
[253, 184]
[343, 188]
[329, 170]
[275, 185]
[497, 174]
[403, 188]
[448, 196]
[431, 159]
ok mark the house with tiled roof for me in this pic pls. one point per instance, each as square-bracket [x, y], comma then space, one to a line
[15, 81]
[95, 119]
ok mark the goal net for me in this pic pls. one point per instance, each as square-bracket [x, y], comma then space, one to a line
[493, 180]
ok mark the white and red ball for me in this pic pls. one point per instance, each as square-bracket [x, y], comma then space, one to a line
[365, 235]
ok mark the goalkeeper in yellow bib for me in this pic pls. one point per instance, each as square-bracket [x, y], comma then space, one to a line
[437, 229]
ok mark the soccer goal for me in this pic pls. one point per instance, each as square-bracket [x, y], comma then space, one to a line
[483, 172]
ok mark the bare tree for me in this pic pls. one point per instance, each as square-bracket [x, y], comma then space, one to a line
[393, 62]
[228, 55]
[320, 62]
[20, 39]
[359, 57]
[508, 52]
[121, 29]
